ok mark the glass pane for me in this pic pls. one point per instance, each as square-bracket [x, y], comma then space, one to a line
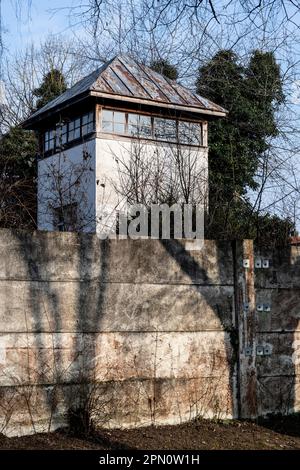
[64, 138]
[196, 133]
[71, 135]
[85, 119]
[119, 128]
[87, 128]
[46, 146]
[107, 120]
[77, 122]
[170, 130]
[107, 115]
[184, 132]
[84, 129]
[107, 126]
[145, 126]
[90, 126]
[159, 128]
[71, 125]
[51, 143]
[77, 133]
[133, 120]
[60, 133]
[119, 117]
[190, 133]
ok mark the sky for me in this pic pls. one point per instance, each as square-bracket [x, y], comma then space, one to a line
[21, 28]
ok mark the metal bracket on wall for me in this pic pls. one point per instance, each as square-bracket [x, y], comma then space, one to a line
[246, 263]
[265, 263]
[246, 307]
[263, 308]
[257, 263]
[248, 351]
[263, 350]
[261, 263]
[267, 351]
[259, 351]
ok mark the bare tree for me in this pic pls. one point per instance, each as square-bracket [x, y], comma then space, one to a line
[25, 69]
[65, 184]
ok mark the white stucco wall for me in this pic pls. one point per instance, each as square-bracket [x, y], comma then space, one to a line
[113, 156]
[57, 185]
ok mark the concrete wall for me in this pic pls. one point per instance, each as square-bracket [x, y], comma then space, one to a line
[145, 331]
[147, 324]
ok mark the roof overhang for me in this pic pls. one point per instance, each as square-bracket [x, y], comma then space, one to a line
[33, 121]
[160, 104]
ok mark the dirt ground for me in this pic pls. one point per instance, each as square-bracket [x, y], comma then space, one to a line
[279, 433]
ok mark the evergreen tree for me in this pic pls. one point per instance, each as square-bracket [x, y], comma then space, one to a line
[53, 85]
[252, 94]
[165, 68]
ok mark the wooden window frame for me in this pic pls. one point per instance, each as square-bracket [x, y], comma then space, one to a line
[145, 137]
[57, 132]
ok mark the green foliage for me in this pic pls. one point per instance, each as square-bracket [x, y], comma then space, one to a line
[251, 94]
[238, 144]
[53, 85]
[165, 68]
[17, 152]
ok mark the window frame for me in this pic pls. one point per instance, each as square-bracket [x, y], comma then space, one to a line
[153, 137]
[57, 133]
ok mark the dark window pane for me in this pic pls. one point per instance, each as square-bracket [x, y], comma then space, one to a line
[85, 119]
[77, 133]
[70, 135]
[133, 120]
[190, 133]
[145, 126]
[91, 127]
[159, 128]
[84, 129]
[170, 130]
[196, 133]
[184, 132]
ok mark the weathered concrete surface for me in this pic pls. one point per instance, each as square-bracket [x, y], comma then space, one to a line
[153, 332]
[49, 358]
[187, 307]
[146, 326]
[48, 256]
[278, 330]
[284, 270]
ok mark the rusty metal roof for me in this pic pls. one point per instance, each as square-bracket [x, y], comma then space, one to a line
[124, 78]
